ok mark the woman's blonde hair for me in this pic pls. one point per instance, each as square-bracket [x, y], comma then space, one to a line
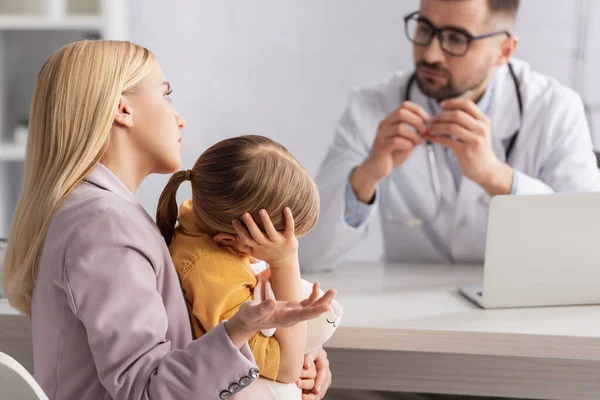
[239, 175]
[75, 100]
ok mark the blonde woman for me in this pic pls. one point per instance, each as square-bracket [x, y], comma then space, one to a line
[88, 264]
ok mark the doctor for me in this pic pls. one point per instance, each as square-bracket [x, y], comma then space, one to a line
[430, 147]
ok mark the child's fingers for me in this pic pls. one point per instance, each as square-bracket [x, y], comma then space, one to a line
[243, 234]
[309, 359]
[254, 229]
[289, 222]
[309, 396]
[305, 383]
[268, 224]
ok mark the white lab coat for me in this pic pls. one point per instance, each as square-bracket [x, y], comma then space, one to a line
[553, 152]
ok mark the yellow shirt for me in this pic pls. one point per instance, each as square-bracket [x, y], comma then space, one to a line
[215, 283]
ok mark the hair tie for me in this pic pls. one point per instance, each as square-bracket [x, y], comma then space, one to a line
[188, 175]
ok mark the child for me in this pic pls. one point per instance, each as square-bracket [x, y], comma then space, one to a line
[251, 199]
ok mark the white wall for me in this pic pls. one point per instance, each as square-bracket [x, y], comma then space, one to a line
[283, 68]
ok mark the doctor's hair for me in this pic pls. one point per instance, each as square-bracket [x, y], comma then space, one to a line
[77, 92]
[239, 175]
[507, 8]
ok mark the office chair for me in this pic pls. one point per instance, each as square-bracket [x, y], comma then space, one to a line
[16, 383]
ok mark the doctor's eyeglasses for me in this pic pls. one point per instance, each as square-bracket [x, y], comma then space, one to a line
[454, 41]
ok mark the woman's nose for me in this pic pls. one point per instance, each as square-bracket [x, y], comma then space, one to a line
[180, 122]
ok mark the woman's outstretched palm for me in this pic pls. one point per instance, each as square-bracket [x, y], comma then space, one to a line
[256, 315]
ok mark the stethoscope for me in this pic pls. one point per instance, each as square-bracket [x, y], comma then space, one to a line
[431, 159]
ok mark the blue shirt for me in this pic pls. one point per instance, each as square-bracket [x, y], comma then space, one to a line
[356, 212]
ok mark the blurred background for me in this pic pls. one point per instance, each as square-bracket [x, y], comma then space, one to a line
[281, 68]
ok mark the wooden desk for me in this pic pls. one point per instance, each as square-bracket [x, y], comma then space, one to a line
[406, 328]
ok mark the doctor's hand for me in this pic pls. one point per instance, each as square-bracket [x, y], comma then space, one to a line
[472, 144]
[397, 136]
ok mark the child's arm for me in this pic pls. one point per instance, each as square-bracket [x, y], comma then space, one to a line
[285, 279]
[280, 251]
[215, 287]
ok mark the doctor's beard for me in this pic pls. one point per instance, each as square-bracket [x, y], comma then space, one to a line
[449, 90]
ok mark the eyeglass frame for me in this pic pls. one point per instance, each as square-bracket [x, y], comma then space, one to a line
[437, 32]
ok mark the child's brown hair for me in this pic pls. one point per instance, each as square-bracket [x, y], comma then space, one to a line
[239, 175]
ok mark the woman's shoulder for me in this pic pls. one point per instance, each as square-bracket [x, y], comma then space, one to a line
[92, 216]
[89, 203]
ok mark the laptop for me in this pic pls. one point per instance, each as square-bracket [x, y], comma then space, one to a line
[541, 250]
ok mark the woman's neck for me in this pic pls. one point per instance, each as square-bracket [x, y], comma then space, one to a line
[131, 179]
[124, 167]
[124, 161]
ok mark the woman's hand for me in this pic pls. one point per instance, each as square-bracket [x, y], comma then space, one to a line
[278, 249]
[254, 316]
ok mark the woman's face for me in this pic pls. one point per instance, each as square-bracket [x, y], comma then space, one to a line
[156, 125]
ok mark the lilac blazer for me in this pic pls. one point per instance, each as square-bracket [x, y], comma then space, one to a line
[108, 317]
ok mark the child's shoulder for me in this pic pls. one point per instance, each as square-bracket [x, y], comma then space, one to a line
[201, 251]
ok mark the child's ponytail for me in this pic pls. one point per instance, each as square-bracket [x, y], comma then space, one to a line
[166, 213]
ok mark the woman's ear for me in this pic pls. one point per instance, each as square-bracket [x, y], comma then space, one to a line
[124, 114]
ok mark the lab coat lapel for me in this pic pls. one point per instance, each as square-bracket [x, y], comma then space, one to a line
[505, 118]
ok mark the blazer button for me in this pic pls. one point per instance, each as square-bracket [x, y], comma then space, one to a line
[254, 373]
[225, 394]
[245, 381]
[234, 388]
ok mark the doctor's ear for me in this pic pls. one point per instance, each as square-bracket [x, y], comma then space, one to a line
[124, 114]
[507, 49]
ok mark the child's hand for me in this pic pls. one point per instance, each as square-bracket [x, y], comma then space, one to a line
[278, 249]
[265, 275]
